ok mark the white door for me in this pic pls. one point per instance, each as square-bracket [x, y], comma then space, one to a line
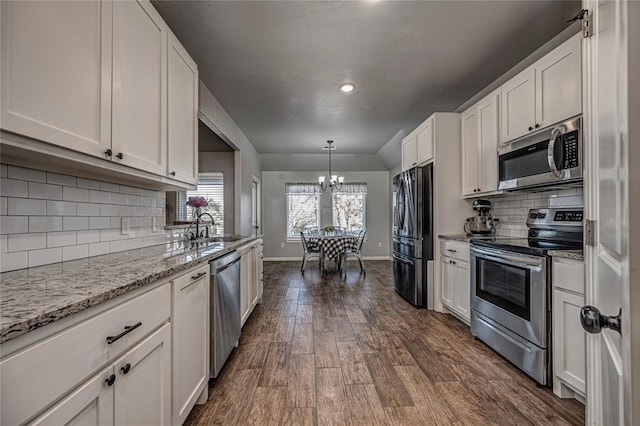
[448, 281]
[424, 143]
[143, 386]
[518, 102]
[56, 72]
[471, 161]
[462, 289]
[139, 135]
[489, 136]
[245, 285]
[613, 388]
[182, 114]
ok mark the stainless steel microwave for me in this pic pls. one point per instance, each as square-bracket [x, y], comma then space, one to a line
[549, 157]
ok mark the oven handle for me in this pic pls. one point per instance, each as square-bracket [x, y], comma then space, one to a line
[504, 257]
[557, 131]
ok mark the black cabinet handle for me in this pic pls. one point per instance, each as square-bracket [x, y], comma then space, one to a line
[119, 156]
[173, 173]
[530, 128]
[108, 152]
[127, 329]
[126, 368]
[452, 251]
[201, 274]
[110, 380]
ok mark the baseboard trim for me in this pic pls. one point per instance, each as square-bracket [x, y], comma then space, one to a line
[376, 257]
[299, 259]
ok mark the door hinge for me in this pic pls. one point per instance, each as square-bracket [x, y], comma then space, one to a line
[589, 232]
[585, 17]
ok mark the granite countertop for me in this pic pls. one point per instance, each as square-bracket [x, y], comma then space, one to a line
[467, 238]
[567, 254]
[34, 297]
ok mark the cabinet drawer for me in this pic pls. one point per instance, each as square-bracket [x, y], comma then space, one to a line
[37, 376]
[192, 276]
[455, 249]
[568, 274]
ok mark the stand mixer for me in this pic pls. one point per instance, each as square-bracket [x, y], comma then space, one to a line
[482, 223]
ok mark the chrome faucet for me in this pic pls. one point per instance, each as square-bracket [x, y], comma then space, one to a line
[197, 234]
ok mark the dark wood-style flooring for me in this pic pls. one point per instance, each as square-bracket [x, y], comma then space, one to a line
[329, 351]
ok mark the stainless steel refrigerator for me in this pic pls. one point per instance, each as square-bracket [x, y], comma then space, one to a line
[413, 276]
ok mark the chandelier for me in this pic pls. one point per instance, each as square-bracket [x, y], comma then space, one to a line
[334, 182]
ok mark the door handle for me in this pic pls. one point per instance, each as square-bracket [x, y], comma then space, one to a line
[593, 321]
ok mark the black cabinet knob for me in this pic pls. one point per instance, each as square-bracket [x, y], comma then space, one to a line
[530, 128]
[173, 173]
[108, 152]
[593, 321]
[537, 125]
[110, 380]
[125, 368]
[119, 156]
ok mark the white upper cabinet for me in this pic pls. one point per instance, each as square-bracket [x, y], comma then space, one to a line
[139, 86]
[480, 139]
[409, 152]
[546, 93]
[56, 72]
[518, 105]
[424, 142]
[559, 83]
[182, 113]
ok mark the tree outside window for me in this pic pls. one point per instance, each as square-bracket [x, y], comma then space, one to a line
[349, 211]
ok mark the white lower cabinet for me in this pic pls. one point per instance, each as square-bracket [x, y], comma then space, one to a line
[569, 339]
[456, 286]
[250, 277]
[190, 341]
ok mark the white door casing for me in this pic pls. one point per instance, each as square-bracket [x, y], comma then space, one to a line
[611, 97]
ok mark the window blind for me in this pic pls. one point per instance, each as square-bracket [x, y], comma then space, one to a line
[211, 188]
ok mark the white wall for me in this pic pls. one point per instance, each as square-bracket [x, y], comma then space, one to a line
[223, 162]
[275, 211]
[247, 162]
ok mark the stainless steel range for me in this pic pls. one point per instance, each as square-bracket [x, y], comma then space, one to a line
[511, 288]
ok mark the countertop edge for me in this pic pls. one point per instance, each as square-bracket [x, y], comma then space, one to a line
[20, 328]
[567, 254]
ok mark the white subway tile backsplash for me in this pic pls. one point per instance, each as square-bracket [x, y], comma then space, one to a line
[58, 179]
[45, 223]
[75, 252]
[13, 261]
[45, 191]
[14, 224]
[15, 172]
[88, 209]
[59, 239]
[45, 256]
[88, 183]
[575, 201]
[48, 217]
[61, 208]
[14, 188]
[23, 242]
[75, 194]
[71, 223]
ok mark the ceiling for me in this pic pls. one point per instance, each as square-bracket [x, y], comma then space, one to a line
[276, 66]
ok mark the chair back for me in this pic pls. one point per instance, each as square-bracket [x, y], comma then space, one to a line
[305, 247]
[361, 239]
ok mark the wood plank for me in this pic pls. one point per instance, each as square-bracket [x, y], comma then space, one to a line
[364, 405]
[326, 350]
[355, 315]
[299, 417]
[394, 347]
[304, 314]
[332, 402]
[367, 340]
[301, 387]
[430, 362]
[267, 407]
[342, 329]
[354, 369]
[432, 406]
[284, 329]
[406, 416]
[302, 339]
[388, 385]
[276, 365]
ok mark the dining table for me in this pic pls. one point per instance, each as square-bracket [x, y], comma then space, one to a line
[332, 246]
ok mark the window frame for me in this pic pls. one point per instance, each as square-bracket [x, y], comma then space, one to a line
[181, 209]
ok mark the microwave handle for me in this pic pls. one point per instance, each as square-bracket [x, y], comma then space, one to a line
[550, 152]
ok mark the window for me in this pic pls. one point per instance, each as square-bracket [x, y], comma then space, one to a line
[349, 206]
[211, 187]
[303, 207]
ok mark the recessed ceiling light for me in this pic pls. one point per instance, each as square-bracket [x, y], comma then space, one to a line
[347, 87]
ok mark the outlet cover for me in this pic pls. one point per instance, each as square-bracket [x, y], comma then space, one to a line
[125, 226]
[379, 244]
[281, 245]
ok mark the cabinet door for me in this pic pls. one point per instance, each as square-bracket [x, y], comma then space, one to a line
[448, 282]
[518, 105]
[470, 151]
[190, 341]
[462, 290]
[143, 390]
[569, 340]
[139, 86]
[559, 83]
[245, 285]
[90, 404]
[489, 122]
[182, 113]
[409, 152]
[424, 143]
[56, 72]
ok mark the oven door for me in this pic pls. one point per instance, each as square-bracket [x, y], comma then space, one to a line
[549, 157]
[511, 289]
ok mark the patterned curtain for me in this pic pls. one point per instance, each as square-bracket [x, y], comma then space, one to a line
[301, 188]
[352, 188]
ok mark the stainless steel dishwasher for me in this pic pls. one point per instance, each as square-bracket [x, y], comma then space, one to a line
[225, 309]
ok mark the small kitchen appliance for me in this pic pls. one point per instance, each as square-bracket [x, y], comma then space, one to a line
[482, 223]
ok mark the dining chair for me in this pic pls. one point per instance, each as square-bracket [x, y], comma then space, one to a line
[354, 252]
[309, 252]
